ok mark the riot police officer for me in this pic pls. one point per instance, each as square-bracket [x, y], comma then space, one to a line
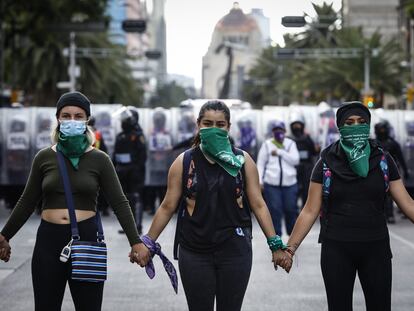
[307, 152]
[129, 159]
[383, 135]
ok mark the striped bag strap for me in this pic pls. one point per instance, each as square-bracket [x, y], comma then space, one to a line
[70, 205]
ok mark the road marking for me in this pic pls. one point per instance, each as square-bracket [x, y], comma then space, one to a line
[402, 240]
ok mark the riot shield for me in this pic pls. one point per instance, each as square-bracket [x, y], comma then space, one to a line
[105, 124]
[18, 155]
[43, 122]
[408, 146]
[160, 145]
[244, 130]
[327, 131]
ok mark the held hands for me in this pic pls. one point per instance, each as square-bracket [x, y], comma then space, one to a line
[5, 249]
[283, 259]
[139, 254]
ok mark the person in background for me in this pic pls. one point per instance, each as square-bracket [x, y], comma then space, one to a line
[276, 162]
[214, 231]
[130, 154]
[383, 135]
[89, 169]
[102, 205]
[307, 153]
[99, 140]
[348, 190]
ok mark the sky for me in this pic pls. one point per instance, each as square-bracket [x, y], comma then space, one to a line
[190, 25]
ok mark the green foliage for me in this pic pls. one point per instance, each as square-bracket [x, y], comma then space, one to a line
[34, 60]
[276, 81]
[168, 95]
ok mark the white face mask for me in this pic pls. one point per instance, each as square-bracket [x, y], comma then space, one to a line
[72, 127]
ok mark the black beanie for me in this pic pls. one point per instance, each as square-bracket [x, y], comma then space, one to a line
[352, 109]
[74, 99]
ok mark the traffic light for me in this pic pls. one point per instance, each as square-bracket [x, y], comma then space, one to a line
[410, 94]
[153, 54]
[369, 101]
[134, 25]
[293, 21]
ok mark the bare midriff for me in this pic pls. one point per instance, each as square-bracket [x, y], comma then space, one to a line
[61, 216]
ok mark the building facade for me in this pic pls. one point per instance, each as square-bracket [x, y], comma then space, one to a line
[237, 41]
[372, 16]
[149, 71]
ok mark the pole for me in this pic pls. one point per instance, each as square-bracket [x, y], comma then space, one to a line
[412, 49]
[1, 52]
[72, 62]
[366, 71]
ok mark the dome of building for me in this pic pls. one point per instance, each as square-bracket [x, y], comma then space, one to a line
[236, 20]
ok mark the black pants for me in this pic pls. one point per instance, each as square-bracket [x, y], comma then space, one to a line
[304, 172]
[340, 261]
[50, 275]
[222, 274]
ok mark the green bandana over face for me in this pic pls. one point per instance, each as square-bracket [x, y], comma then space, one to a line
[73, 147]
[216, 145]
[354, 142]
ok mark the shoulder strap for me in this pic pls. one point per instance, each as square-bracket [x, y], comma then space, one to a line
[69, 201]
[384, 169]
[326, 179]
[238, 151]
[181, 207]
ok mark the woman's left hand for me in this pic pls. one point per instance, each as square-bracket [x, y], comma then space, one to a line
[283, 259]
[139, 254]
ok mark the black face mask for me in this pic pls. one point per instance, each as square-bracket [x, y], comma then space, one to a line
[382, 135]
[297, 132]
[127, 126]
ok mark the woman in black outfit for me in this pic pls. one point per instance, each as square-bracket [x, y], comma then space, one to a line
[215, 250]
[349, 186]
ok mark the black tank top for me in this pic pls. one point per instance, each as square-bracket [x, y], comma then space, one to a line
[219, 207]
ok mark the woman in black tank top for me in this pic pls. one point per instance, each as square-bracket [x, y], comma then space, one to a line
[214, 232]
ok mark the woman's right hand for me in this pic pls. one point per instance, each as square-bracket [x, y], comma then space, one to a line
[139, 254]
[5, 249]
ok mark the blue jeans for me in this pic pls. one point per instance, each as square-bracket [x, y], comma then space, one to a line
[281, 202]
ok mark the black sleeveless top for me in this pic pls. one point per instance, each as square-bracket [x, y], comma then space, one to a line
[219, 207]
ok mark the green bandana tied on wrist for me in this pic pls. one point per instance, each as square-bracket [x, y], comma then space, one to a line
[215, 144]
[73, 147]
[354, 142]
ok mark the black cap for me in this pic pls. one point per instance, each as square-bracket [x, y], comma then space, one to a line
[354, 108]
[74, 99]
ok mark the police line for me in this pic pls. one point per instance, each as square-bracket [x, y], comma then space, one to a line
[24, 131]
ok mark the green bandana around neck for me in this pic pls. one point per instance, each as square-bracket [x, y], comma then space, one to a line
[215, 144]
[354, 142]
[73, 147]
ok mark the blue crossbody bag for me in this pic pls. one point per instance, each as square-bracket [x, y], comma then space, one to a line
[88, 258]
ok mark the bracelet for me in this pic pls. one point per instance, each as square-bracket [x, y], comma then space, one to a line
[292, 253]
[275, 243]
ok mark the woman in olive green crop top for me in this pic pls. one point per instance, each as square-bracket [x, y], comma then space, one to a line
[89, 170]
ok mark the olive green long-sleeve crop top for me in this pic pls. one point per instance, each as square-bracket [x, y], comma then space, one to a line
[45, 183]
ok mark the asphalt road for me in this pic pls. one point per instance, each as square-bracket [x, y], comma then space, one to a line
[128, 287]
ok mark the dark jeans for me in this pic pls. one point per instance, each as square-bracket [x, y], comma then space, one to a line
[282, 203]
[50, 275]
[222, 274]
[340, 261]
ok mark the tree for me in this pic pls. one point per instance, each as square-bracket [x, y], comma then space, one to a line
[168, 95]
[34, 61]
[326, 78]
